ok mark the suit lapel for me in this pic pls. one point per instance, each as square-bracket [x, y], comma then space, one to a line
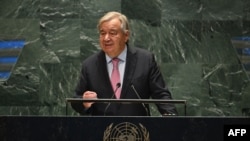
[131, 61]
[129, 71]
[103, 75]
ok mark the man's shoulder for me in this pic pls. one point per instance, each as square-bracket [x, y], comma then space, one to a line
[141, 50]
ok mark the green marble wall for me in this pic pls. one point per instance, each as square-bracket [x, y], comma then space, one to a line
[190, 38]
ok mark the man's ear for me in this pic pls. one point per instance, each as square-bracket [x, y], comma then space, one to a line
[127, 34]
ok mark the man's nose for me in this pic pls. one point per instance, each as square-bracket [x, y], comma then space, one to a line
[107, 37]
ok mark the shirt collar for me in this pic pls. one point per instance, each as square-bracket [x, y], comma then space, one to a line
[121, 57]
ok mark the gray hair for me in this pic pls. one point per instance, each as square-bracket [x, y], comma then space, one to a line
[112, 15]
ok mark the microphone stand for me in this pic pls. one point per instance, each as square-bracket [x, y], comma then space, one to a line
[143, 104]
[118, 85]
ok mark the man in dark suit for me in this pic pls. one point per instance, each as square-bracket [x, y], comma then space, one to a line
[139, 75]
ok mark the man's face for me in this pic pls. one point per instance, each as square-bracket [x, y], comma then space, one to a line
[112, 38]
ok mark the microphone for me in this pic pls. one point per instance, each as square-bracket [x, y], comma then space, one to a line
[118, 85]
[143, 104]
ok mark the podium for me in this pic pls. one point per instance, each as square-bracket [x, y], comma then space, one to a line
[82, 128]
[127, 101]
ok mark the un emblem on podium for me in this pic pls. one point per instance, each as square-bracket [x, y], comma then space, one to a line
[126, 131]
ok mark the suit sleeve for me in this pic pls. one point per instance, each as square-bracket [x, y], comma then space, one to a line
[79, 90]
[159, 89]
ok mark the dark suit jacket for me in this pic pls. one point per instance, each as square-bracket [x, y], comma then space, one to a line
[141, 71]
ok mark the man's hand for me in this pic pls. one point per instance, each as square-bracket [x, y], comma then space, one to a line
[90, 95]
